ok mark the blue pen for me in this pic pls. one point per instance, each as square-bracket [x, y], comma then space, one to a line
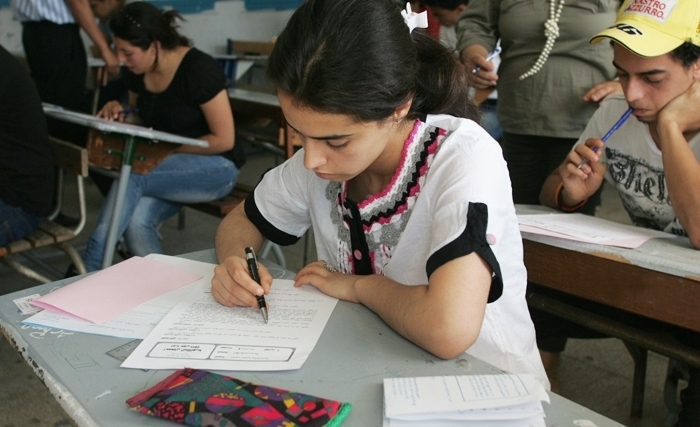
[612, 130]
[129, 111]
[489, 57]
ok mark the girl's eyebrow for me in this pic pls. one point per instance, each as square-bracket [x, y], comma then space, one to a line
[324, 138]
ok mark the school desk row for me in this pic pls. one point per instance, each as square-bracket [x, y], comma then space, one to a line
[356, 351]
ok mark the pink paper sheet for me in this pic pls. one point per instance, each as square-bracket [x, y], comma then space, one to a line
[117, 289]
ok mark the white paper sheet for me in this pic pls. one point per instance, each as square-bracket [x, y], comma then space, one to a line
[586, 228]
[139, 321]
[201, 333]
[469, 400]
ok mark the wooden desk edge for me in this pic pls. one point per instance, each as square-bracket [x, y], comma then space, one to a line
[615, 282]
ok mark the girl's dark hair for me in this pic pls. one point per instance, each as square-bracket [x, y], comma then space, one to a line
[358, 58]
[140, 23]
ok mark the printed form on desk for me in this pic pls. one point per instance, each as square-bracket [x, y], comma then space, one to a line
[503, 400]
[203, 334]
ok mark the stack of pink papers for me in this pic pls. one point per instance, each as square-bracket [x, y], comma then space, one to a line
[113, 291]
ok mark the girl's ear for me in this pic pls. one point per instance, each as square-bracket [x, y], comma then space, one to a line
[402, 110]
[696, 70]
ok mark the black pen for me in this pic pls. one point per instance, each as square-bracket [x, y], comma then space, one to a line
[253, 268]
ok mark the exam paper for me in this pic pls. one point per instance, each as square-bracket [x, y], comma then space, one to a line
[466, 400]
[203, 334]
[589, 229]
[138, 322]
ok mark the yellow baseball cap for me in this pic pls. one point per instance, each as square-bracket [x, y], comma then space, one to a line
[654, 27]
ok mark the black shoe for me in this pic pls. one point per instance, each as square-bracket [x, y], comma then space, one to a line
[66, 221]
[123, 250]
[72, 271]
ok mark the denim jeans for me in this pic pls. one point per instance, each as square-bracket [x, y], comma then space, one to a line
[15, 223]
[154, 197]
[489, 120]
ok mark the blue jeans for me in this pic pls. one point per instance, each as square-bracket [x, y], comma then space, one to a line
[156, 196]
[15, 223]
[489, 120]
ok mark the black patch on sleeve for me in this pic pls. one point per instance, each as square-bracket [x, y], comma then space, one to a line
[269, 231]
[473, 239]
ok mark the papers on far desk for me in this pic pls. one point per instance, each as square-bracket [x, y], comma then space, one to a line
[589, 229]
[505, 400]
[203, 334]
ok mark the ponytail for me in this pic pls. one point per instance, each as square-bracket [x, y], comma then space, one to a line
[442, 82]
[140, 23]
[358, 58]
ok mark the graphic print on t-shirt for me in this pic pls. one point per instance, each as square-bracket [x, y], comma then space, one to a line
[643, 191]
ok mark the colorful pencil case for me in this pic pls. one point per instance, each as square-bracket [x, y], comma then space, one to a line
[200, 398]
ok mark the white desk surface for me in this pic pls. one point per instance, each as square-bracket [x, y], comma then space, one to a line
[674, 256]
[118, 127]
[254, 96]
[354, 354]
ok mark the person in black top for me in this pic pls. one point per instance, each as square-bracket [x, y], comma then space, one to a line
[180, 90]
[27, 172]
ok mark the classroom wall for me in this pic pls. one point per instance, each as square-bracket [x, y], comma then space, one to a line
[208, 29]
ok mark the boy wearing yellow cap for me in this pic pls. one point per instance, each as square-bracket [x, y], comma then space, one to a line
[652, 161]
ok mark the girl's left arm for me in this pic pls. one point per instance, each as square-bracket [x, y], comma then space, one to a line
[217, 112]
[443, 317]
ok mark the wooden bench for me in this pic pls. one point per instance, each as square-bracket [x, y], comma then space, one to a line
[221, 207]
[69, 158]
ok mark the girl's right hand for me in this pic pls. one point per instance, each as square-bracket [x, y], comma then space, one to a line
[111, 111]
[233, 286]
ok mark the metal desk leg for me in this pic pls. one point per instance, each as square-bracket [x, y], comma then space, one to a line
[127, 159]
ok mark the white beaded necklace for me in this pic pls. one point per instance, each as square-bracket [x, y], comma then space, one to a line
[551, 31]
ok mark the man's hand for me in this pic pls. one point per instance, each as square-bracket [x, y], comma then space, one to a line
[601, 91]
[683, 111]
[580, 183]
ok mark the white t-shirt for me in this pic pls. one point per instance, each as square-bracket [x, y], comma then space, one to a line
[450, 196]
[635, 167]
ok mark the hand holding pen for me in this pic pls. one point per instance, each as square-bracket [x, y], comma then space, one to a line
[253, 270]
[489, 57]
[612, 130]
[113, 110]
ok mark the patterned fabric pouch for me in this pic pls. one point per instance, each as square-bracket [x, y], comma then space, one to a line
[201, 399]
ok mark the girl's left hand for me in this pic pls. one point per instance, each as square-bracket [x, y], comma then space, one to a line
[336, 285]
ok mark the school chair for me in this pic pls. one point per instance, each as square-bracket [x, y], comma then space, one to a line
[70, 159]
[221, 207]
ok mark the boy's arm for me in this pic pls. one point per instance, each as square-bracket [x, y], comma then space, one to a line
[678, 121]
